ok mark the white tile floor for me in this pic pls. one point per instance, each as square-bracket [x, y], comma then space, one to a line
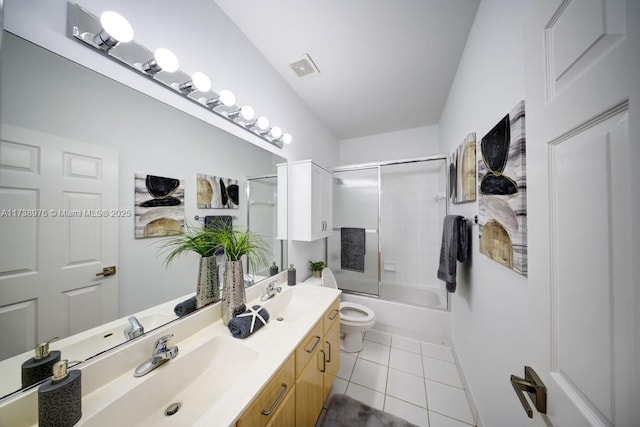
[415, 380]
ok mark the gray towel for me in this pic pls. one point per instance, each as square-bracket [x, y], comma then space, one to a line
[352, 249]
[455, 247]
[248, 322]
[185, 307]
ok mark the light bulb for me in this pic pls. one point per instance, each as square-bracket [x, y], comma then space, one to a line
[115, 29]
[201, 81]
[287, 138]
[247, 112]
[276, 132]
[262, 123]
[227, 98]
[163, 60]
[166, 60]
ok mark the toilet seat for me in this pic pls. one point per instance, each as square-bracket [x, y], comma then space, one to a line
[364, 314]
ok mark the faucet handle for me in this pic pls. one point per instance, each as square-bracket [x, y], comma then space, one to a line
[161, 343]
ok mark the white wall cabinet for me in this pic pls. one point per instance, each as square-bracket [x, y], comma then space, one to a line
[310, 201]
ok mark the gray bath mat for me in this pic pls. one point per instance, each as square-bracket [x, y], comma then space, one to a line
[344, 411]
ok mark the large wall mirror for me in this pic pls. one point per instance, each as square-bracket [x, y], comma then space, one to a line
[72, 143]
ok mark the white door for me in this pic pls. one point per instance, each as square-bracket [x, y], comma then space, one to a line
[58, 232]
[582, 110]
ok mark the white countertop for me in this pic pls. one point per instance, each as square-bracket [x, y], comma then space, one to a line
[110, 375]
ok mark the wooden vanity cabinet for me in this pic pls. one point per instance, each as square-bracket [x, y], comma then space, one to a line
[274, 406]
[319, 363]
[295, 394]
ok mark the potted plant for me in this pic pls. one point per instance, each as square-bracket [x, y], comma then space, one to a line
[202, 241]
[236, 244]
[316, 268]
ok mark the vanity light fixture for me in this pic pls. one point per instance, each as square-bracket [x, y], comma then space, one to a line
[115, 29]
[245, 113]
[112, 35]
[163, 60]
[199, 81]
[226, 98]
[262, 123]
[276, 132]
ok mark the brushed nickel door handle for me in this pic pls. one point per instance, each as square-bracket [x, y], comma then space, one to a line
[275, 404]
[107, 271]
[532, 385]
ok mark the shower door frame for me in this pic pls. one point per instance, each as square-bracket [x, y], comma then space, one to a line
[284, 250]
[378, 166]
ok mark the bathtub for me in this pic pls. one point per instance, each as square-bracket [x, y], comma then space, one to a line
[425, 324]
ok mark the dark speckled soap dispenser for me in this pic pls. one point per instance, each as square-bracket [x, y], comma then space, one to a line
[60, 398]
[39, 367]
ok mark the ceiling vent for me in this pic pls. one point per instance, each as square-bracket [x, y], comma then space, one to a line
[304, 66]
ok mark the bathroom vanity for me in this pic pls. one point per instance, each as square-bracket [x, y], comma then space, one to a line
[280, 375]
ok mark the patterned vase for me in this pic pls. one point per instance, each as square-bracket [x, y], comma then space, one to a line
[208, 283]
[234, 296]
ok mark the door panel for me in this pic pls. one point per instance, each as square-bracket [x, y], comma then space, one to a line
[582, 104]
[55, 196]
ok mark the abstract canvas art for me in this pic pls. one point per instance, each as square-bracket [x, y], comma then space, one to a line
[465, 170]
[159, 206]
[502, 187]
[215, 192]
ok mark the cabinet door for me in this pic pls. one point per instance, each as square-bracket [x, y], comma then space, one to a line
[310, 390]
[327, 202]
[332, 357]
[317, 218]
[285, 416]
[309, 346]
[271, 398]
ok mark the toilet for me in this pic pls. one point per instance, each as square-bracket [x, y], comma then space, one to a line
[355, 319]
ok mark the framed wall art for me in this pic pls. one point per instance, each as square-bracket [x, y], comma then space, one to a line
[502, 187]
[465, 170]
[159, 206]
[215, 192]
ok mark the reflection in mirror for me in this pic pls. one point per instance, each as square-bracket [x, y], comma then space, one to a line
[72, 142]
[262, 201]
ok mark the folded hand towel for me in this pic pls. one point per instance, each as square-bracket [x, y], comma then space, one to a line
[185, 307]
[248, 322]
[455, 247]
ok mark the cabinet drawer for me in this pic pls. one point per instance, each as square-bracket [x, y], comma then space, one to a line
[271, 397]
[332, 315]
[311, 342]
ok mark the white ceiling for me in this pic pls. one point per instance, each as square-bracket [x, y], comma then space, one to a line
[385, 65]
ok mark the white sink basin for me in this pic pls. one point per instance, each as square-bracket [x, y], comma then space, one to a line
[288, 306]
[195, 380]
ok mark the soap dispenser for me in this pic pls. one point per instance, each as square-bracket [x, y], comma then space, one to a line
[39, 367]
[60, 398]
[273, 270]
[291, 275]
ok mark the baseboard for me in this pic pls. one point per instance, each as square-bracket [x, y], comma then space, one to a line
[467, 390]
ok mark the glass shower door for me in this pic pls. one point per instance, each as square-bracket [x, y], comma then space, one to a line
[353, 247]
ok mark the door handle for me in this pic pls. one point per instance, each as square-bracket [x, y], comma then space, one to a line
[107, 271]
[535, 388]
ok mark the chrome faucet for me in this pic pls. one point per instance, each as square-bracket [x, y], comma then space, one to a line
[248, 281]
[271, 291]
[161, 354]
[134, 330]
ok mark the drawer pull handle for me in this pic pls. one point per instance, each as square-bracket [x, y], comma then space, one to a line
[275, 404]
[333, 315]
[324, 361]
[329, 352]
[314, 345]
